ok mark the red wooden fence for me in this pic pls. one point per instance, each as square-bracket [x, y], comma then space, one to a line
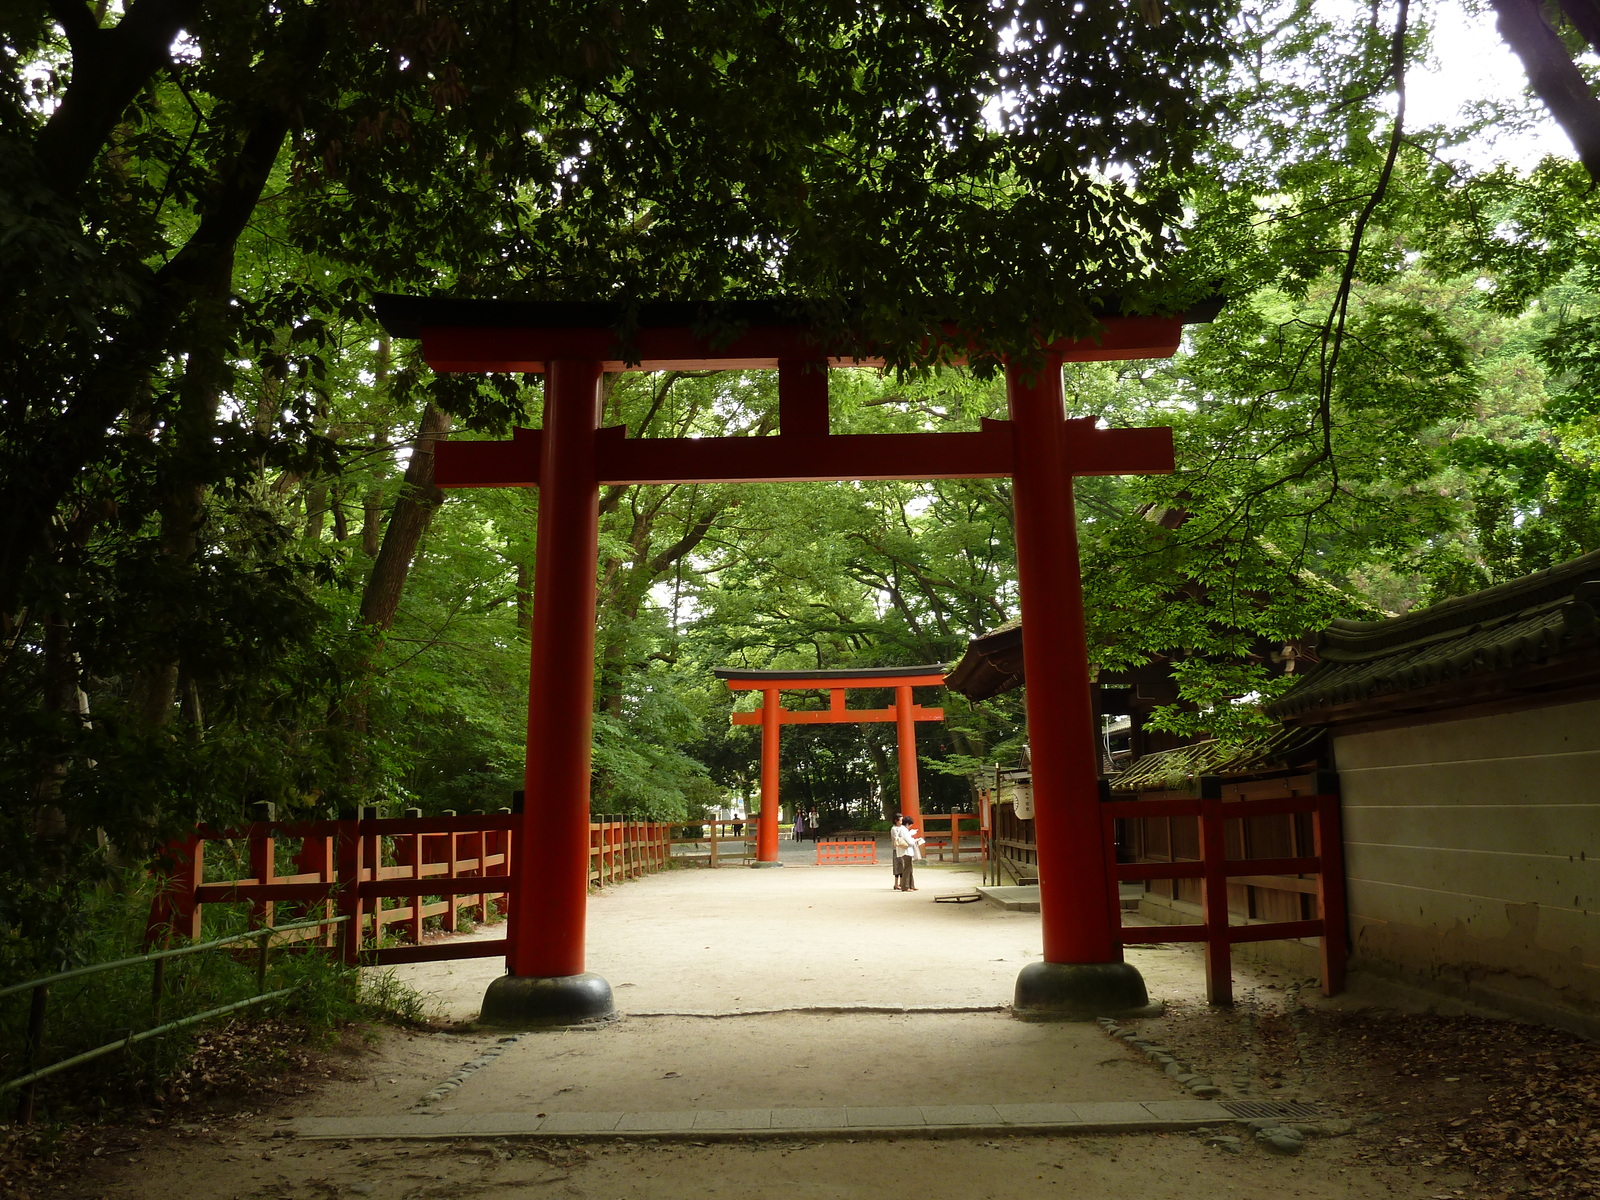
[942, 833]
[833, 851]
[1214, 868]
[432, 866]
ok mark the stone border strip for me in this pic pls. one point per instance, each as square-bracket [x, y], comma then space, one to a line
[1200, 1085]
[1277, 1134]
[1130, 1116]
[441, 1090]
[894, 1010]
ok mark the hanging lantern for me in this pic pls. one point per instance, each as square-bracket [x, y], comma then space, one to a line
[1022, 801]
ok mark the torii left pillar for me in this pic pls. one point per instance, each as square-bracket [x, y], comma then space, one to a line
[545, 982]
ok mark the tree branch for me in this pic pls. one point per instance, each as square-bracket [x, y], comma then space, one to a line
[77, 22]
[1553, 76]
[1585, 18]
[109, 68]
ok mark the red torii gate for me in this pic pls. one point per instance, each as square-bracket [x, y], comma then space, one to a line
[905, 713]
[1083, 972]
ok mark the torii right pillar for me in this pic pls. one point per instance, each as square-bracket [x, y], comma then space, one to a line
[1083, 974]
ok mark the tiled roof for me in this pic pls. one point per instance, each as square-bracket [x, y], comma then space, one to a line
[992, 663]
[1283, 747]
[1540, 623]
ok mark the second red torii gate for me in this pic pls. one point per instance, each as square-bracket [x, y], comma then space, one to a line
[771, 716]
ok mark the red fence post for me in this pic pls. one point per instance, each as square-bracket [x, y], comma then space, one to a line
[179, 870]
[371, 870]
[408, 852]
[314, 859]
[1108, 824]
[1213, 856]
[505, 849]
[348, 845]
[1328, 843]
[263, 848]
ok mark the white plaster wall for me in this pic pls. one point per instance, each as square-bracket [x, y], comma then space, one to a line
[1473, 856]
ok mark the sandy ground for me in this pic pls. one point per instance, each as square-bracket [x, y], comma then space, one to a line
[1134, 1167]
[742, 988]
[789, 1060]
[739, 940]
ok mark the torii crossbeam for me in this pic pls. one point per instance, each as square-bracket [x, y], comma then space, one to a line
[572, 456]
[771, 716]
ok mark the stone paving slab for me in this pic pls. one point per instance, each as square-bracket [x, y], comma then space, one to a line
[735, 1118]
[883, 1117]
[655, 1122]
[1013, 898]
[1177, 1110]
[1047, 1114]
[576, 1122]
[1130, 1116]
[807, 1118]
[1114, 1112]
[960, 1114]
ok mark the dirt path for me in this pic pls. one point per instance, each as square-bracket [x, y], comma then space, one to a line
[224, 1164]
[738, 940]
[750, 988]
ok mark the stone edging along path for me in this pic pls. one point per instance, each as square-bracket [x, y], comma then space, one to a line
[1130, 1116]
[1274, 1133]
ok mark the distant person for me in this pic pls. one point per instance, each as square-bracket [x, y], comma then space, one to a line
[813, 824]
[738, 825]
[907, 849]
[799, 831]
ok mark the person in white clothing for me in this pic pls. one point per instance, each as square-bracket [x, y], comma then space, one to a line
[907, 849]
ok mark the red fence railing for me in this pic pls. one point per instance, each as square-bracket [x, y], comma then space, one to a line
[623, 848]
[942, 833]
[833, 852]
[1214, 868]
[389, 876]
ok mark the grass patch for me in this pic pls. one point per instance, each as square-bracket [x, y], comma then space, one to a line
[94, 1010]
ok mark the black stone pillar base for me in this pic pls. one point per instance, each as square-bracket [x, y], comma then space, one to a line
[1049, 991]
[547, 1002]
[759, 863]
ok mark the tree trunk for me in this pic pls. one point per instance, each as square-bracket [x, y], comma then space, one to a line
[183, 507]
[341, 524]
[1552, 74]
[111, 66]
[372, 522]
[524, 597]
[888, 790]
[316, 511]
[408, 521]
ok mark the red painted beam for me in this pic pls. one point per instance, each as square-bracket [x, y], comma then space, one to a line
[803, 398]
[467, 349]
[795, 458]
[850, 716]
[386, 956]
[805, 458]
[779, 684]
[1142, 936]
[489, 464]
